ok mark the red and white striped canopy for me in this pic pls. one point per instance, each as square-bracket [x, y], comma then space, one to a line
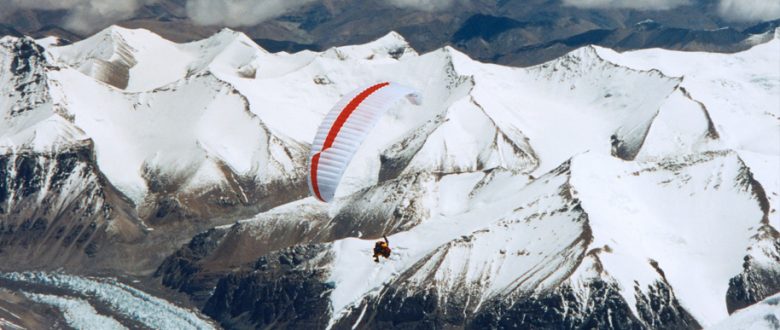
[344, 129]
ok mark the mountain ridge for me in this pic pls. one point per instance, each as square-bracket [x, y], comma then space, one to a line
[579, 184]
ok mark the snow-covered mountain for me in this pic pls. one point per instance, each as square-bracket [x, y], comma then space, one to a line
[600, 189]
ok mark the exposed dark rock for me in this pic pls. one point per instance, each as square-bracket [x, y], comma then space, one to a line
[560, 308]
[659, 309]
[63, 221]
[284, 289]
[27, 66]
[397, 309]
[196, 267]
[181, 271]
[28, 55]
[759, 279]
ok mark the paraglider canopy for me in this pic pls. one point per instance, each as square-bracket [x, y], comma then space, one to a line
[345, 128]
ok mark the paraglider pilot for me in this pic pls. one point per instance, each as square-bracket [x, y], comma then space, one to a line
[381, 248]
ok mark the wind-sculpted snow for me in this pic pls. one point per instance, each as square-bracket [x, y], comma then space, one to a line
[632, 226]
[498, 255]
[649, 211]
[469, 122]
[611, 191]
[738, 92]
[132, 303]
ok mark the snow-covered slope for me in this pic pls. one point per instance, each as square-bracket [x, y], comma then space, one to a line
[740, 94]
[612, 190]
[169, 126]
[599, 189]
[164, 145]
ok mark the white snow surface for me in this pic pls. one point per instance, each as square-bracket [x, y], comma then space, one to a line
[506, 236]
[527, 174]
[174, 121]
[29, 119]
[645, 213]
[679, 204]
[740, 92]
[132, 303]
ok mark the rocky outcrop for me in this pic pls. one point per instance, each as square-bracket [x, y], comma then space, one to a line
[760, 277]
[58, 210]
[210, 255]
[285, 289]
[182, 271]
[604, 308]
[561, 308]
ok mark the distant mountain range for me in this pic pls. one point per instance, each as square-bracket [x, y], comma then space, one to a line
[501, 39]
[518, 33]
[599, 189]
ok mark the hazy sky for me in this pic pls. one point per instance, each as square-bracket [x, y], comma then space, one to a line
[89, 15]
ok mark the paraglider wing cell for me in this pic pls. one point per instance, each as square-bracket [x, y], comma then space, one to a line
[343, 130]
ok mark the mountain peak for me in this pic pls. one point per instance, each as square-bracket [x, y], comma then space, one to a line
[230, 35]
[391, 45]
[392, 38]
[586, 177]
[119, 33]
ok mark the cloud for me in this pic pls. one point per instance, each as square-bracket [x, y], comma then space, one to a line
[426, 5]
[87, 16]
[239, 12]
[749, 10]
[82, 15]
[627, 4]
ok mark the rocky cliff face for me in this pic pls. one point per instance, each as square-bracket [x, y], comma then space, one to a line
[760, 277]
[59, 210]
[283, 289]
[57, 207]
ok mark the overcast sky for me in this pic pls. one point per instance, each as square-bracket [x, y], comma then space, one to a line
[89, 15]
